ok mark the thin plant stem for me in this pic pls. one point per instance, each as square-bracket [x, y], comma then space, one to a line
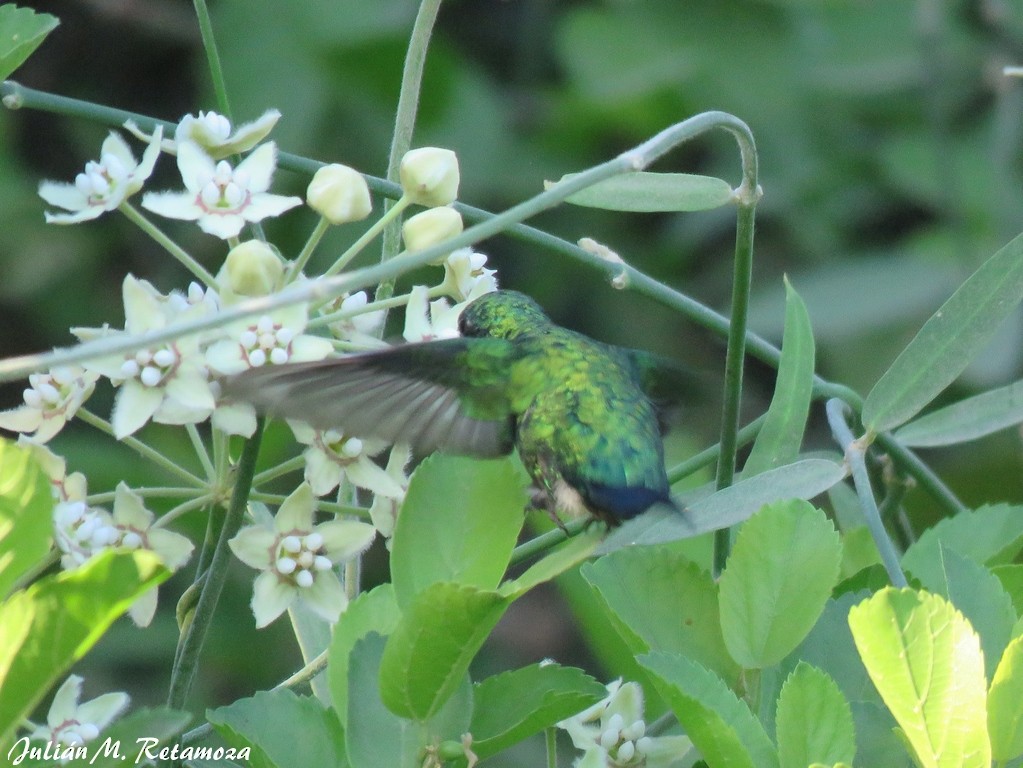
[322, 225]
[551, 739]
[391, 213]
[291, 465]
[209, 44]
[200, 452]
[855, 454]
[148, 493]
[194, 636]
[184, 508]
[175, 250]
[709, 455]
[545, 541]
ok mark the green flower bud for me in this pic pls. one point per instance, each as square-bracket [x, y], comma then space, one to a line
[339, 194]
[431, 227]
[429, 176]
[252, 269]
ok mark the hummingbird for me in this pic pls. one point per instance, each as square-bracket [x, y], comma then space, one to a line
[586, 418]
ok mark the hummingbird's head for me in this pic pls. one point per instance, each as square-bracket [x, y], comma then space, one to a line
[501, 315]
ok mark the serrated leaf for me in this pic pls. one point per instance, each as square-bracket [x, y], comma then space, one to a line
[966, 420]
[719, 725]
[22, 30]
[459, 523]
[978, 594]
[814, 722]
[26, 506]
[64, 615]
[373, 611]
[1005, 704]
[776, 582]
[989, 535]
[514, 705]
[430, 650]
[644, 191]
[138, 734]
[803, 479]
[666, 602]
[285, 728]
[782, 433]
[565, 556]
[925, 660]
[948, 340]
[1011, 577]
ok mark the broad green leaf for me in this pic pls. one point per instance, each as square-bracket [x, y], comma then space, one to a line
[643, 191]
[719, 725]
[375, 736]
[286, 728]
[138, 734]
[22, 30]
[65, 615]
[978, 594]
[859, 551]
[514, 705]
[989, 535]
[1011, 577]
[1005, 704]
[925, 660]
[948, 340]
[313, 634]
[776, 582]
[782, 434]
[966, 420]
[429, 652]
[373, 611]
[803, 479]
[814, 723]
[458, 523]
[564, 556]
[665, 602]
[26, 504]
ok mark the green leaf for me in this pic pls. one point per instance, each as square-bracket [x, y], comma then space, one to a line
[1005, 704]
[644, 191]
[925, 660]
[782, 434]
[966, 420]
[26, 507]
[563, 557]
[665, 603]
[948, 340]
[989, 535]
[514, 705]
[49, 626]
[978, 594]
[719, 725]
[776, 582]
[814, 722]
[459, 523]
[373, 611]
[288, 729]
[430, 650]
[803, 479]
[22, 30]
[375, 736]
[134, 736]
[1011, 577]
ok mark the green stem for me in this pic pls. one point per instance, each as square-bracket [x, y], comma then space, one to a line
[291, 465]
[392, 213]
[372, 306]
[194, 636]
[212, 57]
[405, 122]
[545, 541]
[551, 739]
[307, 250]
[855, 453]
[169, 245]
[708, 456]
[142, 449]
[200, 452]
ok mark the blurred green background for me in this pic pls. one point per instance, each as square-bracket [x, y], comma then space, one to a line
[889, 151]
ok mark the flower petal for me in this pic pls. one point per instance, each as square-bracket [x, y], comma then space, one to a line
[235, 419]
[260, 166]
[253, 545]
[144, 608]
[21, 419]
[343, 539]
[65, 701]
[191, 389]
[101, 710]
[296, 513]
[326, 596]
[63, 195]
[195, 165]
[222, 225]
[306, 348]
[366, 474]
[173, 205]
[173, 548]
[264, 205]
[270, 598]
[129, 509]
[133, 407]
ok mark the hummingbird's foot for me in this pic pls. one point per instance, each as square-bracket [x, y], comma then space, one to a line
[542, 501]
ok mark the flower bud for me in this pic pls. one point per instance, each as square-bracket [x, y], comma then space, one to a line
[339, 194]
[429, 176]
[253, 269]
[431, 227]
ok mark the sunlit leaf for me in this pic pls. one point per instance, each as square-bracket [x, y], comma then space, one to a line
[22, 30]
[814, 723]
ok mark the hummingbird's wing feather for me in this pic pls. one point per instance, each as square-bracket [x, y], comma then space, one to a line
[444, 395]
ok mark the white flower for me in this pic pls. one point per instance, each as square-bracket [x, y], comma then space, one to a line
[51, 401]
[297, 558]
[104, 184]
[432, 226]
[82, 531]
[429, 175]
[63, 486]
[332, 456]
[212, 132]
[221, 198]
[427, 320]
[466, 277]
[166, 383]
[612, 733]
[339, 194]
[251, 268]
[384, 509]
[72, 724]
[358, 327]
